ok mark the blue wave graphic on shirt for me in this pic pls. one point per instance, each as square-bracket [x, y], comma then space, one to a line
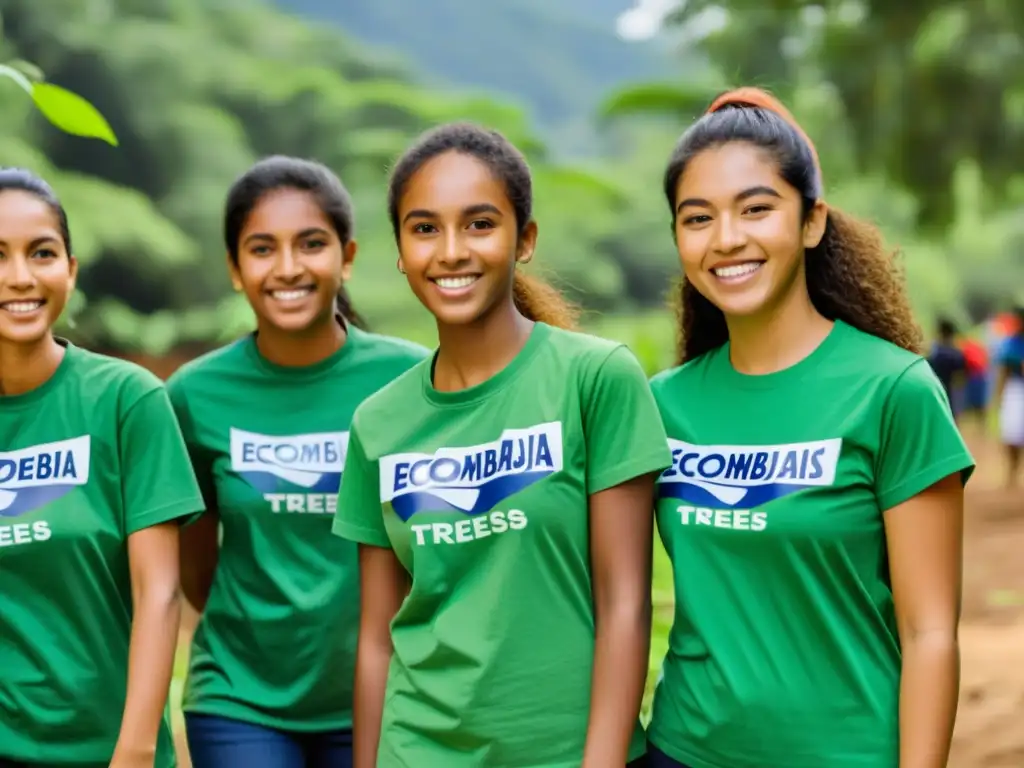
[28, 499]
[755, 496]
[491, 494]
[265, 482]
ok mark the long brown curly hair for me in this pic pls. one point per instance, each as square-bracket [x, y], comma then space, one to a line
[851, 276]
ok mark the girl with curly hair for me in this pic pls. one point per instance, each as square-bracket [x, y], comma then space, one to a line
[813, 511]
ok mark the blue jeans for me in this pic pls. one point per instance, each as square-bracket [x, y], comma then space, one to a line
[658, 759]
[217, 742]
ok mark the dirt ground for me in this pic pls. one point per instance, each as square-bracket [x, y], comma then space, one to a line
[990, 722]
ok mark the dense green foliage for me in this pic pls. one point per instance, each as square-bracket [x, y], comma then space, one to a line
[917, 110]
[925, 85]
[196, 95]
[196, 91]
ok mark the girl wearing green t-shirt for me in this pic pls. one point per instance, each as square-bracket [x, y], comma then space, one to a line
[501, 493]
[266, 421]
[94, 482]
[813, 510]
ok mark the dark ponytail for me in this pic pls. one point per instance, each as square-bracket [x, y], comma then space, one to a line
[346, 310]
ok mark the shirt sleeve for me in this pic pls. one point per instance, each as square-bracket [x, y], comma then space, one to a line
[157, 482]
[201, 459]
[359, 516]
[920, 442]
[624, 434]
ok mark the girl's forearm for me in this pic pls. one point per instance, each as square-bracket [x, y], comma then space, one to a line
[150, 666]
[621, 658]
[372, 662]
[929, 690]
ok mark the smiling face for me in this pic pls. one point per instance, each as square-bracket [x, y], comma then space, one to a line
[291, 263]
[740, 229]
[37, 275]
[459, 240]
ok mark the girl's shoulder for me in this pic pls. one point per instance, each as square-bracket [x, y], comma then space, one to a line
[99, 376]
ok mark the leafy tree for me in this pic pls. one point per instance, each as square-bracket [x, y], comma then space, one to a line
[65, 110]
[924, 85]
[197, 93]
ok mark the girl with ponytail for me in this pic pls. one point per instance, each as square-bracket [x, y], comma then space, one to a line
[501, 493]
[813, 510]
[266, 421]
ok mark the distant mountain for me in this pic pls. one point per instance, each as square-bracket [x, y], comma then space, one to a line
[557, 58]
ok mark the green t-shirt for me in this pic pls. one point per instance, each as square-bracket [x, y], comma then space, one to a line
[784, 651]
[275, 645]
[483, 495]
[86, 460]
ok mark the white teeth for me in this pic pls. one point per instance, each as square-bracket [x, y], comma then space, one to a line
[455, 282]
[291, 295]
[737, 270]
[22, 307]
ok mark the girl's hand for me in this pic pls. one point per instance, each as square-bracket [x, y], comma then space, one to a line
[126, 757]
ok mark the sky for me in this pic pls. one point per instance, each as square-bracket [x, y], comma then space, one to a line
[643, 20]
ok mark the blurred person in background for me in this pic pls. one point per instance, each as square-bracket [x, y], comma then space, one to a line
[266, 422]
[813, 512]
[1009, 396]
[974, 402]
[94, 484]
[949, 363]
[501, 493]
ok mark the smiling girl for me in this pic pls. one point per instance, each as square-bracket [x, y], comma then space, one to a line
[94, 481]
[501, 493]
[266, 420]
[813, 512]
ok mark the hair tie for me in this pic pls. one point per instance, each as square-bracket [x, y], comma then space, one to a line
[749, 96]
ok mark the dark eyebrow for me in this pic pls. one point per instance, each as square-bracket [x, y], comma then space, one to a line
[313, 231]
[37, 242]
[746, 193]
[419, 213]
[475, 210]
[472, 210]
[257, 236]
[271, 238]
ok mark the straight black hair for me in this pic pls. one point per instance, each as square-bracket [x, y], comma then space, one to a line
[282, 172]
[26, 181]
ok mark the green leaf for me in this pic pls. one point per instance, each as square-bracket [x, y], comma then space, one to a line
[71, 113]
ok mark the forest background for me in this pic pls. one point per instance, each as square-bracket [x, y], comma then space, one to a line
[917, 110]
